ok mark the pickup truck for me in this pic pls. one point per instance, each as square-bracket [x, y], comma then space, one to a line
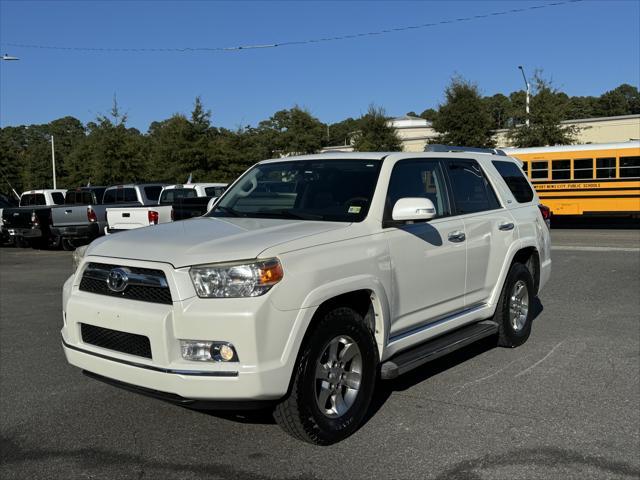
[362, 267]
[82, 218]
[191, 199]
[28, 224]
[5, 202]
[140, 207]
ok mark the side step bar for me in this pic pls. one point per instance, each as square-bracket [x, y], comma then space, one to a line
[438, 347]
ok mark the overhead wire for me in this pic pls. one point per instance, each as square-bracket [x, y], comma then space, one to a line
[295, 42]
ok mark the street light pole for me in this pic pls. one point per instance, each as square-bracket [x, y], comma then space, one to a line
[528, 89]
[53, 162]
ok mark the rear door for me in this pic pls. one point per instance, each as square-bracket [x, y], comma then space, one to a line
[489, 227]
[428, 258]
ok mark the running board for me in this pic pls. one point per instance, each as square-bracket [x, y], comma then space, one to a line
[436, 348]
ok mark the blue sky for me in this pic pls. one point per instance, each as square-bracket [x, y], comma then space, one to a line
[586, 48]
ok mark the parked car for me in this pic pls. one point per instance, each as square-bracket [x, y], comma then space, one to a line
[363, 266]
[190, 199]
[134, 212]
[28, 224]
[82, 218]
[5, 202]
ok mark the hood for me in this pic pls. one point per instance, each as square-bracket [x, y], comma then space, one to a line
[206, 239]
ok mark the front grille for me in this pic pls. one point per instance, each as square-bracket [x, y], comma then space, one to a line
[124, 342]
[146, 284]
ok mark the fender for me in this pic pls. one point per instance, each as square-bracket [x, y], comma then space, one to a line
[511, 253]
[331, 290]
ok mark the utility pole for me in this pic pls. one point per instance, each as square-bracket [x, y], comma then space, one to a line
[53, 162]
[528, 89]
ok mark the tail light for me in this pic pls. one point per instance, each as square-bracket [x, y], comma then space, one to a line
[546, 214]
[34, 219]
[91, 215]
[153, 217]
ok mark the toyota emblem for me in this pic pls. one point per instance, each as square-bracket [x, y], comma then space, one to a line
[117, 280]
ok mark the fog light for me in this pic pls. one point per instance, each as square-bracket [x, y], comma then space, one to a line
[208, 351]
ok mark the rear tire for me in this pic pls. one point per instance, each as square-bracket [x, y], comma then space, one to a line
[514, 311]
[67, 245]
[333, 380]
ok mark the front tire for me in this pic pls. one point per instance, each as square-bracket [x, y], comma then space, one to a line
[514, 311]
[333, 381]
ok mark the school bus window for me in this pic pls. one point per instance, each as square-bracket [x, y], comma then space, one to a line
[606, 167]
[540, 170]
[629, 167]
[582, 168]
[561, 169]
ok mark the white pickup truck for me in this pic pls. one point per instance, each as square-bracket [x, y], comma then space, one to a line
[300, 296]
[142, 207]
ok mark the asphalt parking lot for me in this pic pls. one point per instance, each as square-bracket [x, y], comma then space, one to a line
[564, 405]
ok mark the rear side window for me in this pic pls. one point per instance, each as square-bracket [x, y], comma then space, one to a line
[515, 180]
[58, 198]
[153, 193]
[32, 199]
[629, 167]
[471, 190]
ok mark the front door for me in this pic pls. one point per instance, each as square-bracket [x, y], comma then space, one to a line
[428, 258]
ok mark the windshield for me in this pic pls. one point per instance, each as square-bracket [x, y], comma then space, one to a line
[329, 190]
[173, 194]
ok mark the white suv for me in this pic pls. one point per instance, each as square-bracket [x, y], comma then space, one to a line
[311, 278]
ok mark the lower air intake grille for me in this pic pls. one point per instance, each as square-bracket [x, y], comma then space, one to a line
[114, 340]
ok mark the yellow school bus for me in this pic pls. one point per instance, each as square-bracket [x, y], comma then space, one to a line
[594, 179]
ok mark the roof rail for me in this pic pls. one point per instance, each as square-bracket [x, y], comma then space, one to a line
[450, 148]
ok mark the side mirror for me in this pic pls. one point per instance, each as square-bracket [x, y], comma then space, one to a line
[413, 208]
[210, 204]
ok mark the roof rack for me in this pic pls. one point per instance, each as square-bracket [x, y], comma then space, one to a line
[436, 147]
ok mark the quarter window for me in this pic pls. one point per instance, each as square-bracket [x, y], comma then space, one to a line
[515, 180]
[418, 178]
[629, 167]
[606, 167]
[540, 170]
[582, 168]
[471, 191]
[561, 169]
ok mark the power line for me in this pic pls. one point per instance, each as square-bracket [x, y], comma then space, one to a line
[296, 42]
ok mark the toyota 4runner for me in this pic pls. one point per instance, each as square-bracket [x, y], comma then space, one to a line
[313, 277]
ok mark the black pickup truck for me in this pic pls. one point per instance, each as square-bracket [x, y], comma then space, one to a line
[29, 224]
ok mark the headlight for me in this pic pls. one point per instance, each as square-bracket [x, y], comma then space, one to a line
[78, 255]
[228, 280]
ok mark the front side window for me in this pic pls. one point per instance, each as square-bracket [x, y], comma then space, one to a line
[629, 167]
[418, 178]
[471, 190]
[515, 180]
[582, 168]
[325, 190]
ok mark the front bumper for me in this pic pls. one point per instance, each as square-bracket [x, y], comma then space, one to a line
[260, 333]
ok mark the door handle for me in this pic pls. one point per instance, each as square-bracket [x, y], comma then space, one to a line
[67, 211]
[506, 226]
[457, 236]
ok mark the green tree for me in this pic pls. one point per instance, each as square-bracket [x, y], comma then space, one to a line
[548, 108]
[623, 100]
[499, 107]
[293, 131]
[375, 134]
[340, 133]
[463, 119]
[429, 114]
